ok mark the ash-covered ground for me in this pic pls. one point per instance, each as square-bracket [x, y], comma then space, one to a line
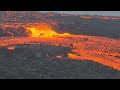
[40, 61]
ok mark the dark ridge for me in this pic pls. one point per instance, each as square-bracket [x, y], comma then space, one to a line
[117, 56]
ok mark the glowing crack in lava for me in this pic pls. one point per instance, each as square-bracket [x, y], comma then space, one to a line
[102, 50]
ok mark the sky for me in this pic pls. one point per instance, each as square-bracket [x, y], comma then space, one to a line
[105, 13]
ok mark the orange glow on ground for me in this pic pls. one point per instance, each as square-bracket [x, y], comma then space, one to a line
[97, 49]
[11, 48]
[59, 56]
[104, 51]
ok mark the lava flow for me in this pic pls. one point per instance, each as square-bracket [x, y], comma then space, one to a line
[43, 30]
[98, 49]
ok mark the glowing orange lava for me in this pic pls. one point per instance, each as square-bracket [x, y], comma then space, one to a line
[43, 30]
[97, 49]
[11, 48]
[59, 56]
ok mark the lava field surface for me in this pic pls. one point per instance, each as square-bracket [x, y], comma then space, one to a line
[59, 46]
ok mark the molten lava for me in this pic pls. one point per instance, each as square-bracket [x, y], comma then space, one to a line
[97, 49]
[102, 50]
[38, 32]
[11, 48]
[43, 30]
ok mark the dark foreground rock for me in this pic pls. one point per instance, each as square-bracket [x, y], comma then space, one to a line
[29, 63]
